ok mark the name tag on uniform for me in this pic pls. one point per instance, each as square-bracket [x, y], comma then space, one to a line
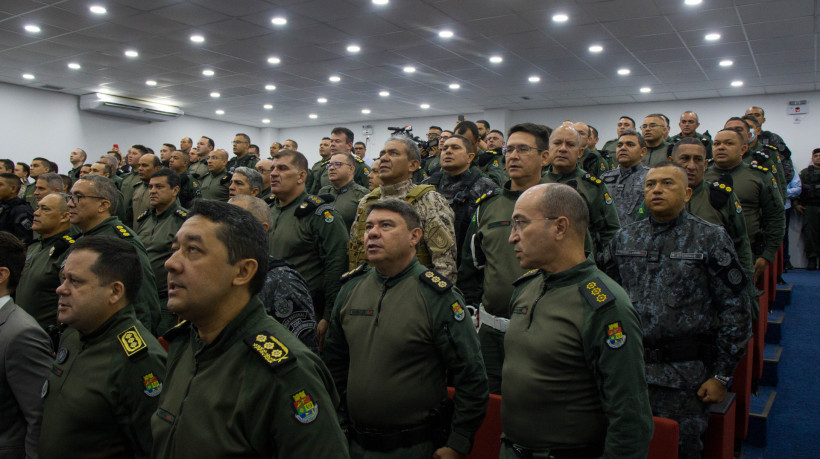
[361, 312]
[520, 310]
[686, 256]
[497, 224]
[630, 253]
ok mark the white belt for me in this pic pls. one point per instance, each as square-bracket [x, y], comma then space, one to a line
[495, 322]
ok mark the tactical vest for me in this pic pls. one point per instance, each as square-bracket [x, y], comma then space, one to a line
[463, 204]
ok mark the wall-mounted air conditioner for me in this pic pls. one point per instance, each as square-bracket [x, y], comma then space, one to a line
[107, 104]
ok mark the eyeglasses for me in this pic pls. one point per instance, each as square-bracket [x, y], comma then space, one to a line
[337, 164]
[651, 125]
[519, 225]
[75, 198]
[521, 149]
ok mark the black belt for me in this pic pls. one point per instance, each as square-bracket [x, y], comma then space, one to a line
[579, 452]
[683, 349]
[383, 440]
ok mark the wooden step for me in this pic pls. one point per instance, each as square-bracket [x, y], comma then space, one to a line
[771, 360]
[760, 417]
[774, 329]
[784, 296]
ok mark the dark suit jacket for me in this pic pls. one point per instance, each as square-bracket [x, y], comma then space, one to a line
[25, 360]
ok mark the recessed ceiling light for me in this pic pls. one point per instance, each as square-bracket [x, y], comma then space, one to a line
[455, 86]
[274, 60]
[208, 72]
[646, 89]
[624, 71]
[279, 20]
[446, 34]
[596, 48]
[384, 93]
[534, 79]
[266, 121]
[560, 18]
[197, 38]
[424, 106]
[693, 2]
[335, 78]
[32, 28]
[353, 49]
[131, 53]
[725, 63]
[313, 116]
[409, 69]
[151, 83]
[322, 100]
[268, 106]
[496, 59]
[28, 76]
[270, 87]
[74, 66]
[737, 83]
[220, 112]
[215, 94]
[97, 9]
[366, 111]
[712, 36]
[380, 2]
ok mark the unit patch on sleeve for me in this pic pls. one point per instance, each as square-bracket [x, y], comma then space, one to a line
[152, 385]
[458, 311]
[615, 336]
[305, 409]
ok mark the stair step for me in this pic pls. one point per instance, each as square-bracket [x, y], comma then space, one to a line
[771, 359]
[774, 329]
[760, 416]
[784, 296]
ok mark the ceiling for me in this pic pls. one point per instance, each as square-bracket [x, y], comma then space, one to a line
[773, 46]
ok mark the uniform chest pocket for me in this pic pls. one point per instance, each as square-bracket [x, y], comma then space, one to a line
[500, 224]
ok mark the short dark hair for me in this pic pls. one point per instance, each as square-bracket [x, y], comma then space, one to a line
[447, 130]
[592, 130]
[323, 138]
[438, 128]
[343, 130]
[465, 126]
[750, 119]
[170, 145]
[173, 178]
[117, 154]
[244, 136]
[407, 212]
[108, 169]
[52, 180]
[25, 167]
[210, 141]
[12, 180]
[468, 144]
[739, 135]
[671, 164]
[140, 148]
[629, 118]
[632, 132]
[241, 233]
[658, 115]
[737, 118]
[688, 141]
[295, 144]
[8, 164]
[253, 145]
[45, 162]
[117, 261]
[360, 143]
[67, 182]
[296, 158]
[498, 132]
[539, 131]
[157, 161]
[12, 256]
[484, 122]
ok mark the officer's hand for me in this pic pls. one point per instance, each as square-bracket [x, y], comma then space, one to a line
[800, 209]
[321, 329]
[447, 453]
[760, 267]
[712, 391]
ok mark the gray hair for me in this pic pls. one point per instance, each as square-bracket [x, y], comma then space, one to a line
[254, 177]
[104, 187]
[413, 152]
[53, 181]
[256, 206]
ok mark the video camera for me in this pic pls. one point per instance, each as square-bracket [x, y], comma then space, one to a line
[407, 131]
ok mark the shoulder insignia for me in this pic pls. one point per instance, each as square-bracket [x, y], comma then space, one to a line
[720, 191]
[357, 159]
[195, 182]
[325, 212]
[124, 233]
[269, 199]
[527, 275]
[486, 196]
[269, 349]
[305, 409]
[615, 336]
[324, 163]
[458, 311]
[152, 387]
[131, 341]
[756, 166]
[607, 198]
[181, 213]
[439, 283]
[176, 330]
[307, 207]
[773, 148]
[596, 293]
[226, 179]
[143, 215]
[357, 271]
[61, 246]
[592, 179]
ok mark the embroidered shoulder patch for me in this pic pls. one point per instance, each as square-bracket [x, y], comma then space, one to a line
[176, 330]
[152, 385]
[435, 280]
[309, 205]
[181, 213]
[756, 166]
[226, 179]
[596, 293]
[131, 341]
[592, 179]
[527, 275]
[124, 233]
[615, 336]
[270, 349]
[458, 311]
[143, 215]
[61, 246]
[357, 271]
[305, 409]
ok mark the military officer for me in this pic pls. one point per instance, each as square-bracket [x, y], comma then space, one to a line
[245, 180]
[341, 141]
[655, 130]
[216, 183]
[626, 182]
[47, 183]
[573, 375]
[41, 275]
[109, 370]
[280, 394]
[199, 162]
[590, 160]
[401, 328]
[314, 179]
[688, 124]
[188, 185]
[696, 322]
[808, 205]
[308, 232]
[264, 167]
[488, 163]
[241, 145]
[625, 123]
[148, 164]
[345, 192]
[757, 152]
[15, 213]
[774, 140]
[132, 178]
[91, 203]
[432, 163]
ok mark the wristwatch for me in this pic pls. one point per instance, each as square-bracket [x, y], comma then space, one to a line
[725, 380]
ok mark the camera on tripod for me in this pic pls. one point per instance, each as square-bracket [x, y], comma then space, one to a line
[407, 131]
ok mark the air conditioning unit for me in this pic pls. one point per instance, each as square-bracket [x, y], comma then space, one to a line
[125, 107]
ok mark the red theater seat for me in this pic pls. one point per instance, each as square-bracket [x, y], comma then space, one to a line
[487, 442]
[664, 443]
[720, 435]
[742, 387]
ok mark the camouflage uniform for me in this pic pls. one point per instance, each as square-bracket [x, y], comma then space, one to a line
[592, 162]
[437, 248]
[286, 298]
[688, 286]
[627, 187]
[461, 192]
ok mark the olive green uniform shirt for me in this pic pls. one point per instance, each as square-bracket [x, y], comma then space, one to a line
[705, 139]
[574, 370]
[592, 162]
[246, 161]
[768, 157]
[103, 391]
[493, 170]
[215, 186]
[392, 343]
[198, 169]
[360, 173]
[139, 203]
[35, 292]
[127, 186]
[656, 156]
[157, 232]
[313, 182]
[346, 200]
[432, 165]
[611, 146]
[255, 391]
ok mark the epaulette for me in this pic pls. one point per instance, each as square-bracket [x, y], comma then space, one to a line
[181, 213]
[592, 179]
[310, 203]
[357, 159]
[269, 349]
[61, 246]
[435, 280]
[596, 293]
[124, 233]
[226, 179]
[357, 271]
[527, 275]
[143, 215]
[486, 196]
[195, 175]
[720, 191]
[758, 167]
[131, 341]
[772, 147]
[761, 155]
[324, 163]
[176, 330]
[270, 198]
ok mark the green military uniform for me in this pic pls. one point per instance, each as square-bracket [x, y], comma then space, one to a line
[188, 189]
[611, 163]
[655, 156]
[74, 173]
[139, 203]
[762, 206]
[28, 194]
[360, 173]
[314, 177]
[35, 292]
[432, 165]
[573, 379]
[310, 234]
[117, 181]
[198, 169]
[611, 147]
[490, 166]
[146, 305]
[264, 193]
[246, 161]
[102, 391]
[767, 157]
[810, 198]
[705, 139]
[127, 186]
[603, 217]
[392, 343]
[255, 391]
[487, 272]
[346, 200]
[215, 186]
[592, 162]
[157, 232]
